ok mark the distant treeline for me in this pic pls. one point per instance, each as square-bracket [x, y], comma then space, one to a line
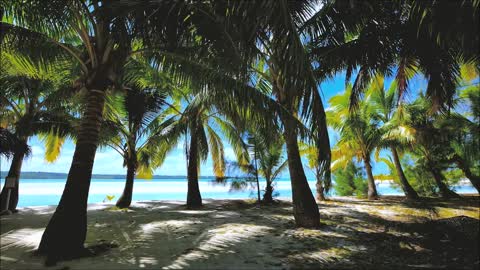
[51, 175]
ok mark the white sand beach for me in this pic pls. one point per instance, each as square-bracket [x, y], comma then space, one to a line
[236, 234]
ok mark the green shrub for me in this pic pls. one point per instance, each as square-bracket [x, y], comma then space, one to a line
[350, 181]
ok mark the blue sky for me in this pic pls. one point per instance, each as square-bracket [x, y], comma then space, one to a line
[107, 161]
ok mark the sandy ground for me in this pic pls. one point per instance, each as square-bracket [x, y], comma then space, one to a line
[233, 234]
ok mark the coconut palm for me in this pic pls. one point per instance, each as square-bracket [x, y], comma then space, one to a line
[101, 36]
[384, 107]
[359, 135]
[201, 123]
[467, 127]
[33, 102]
[322, 185]
[463, 130]
[11, 144]
[267, 155]
[431, 144]
[413, 36]
[137, 124]
[463, 145]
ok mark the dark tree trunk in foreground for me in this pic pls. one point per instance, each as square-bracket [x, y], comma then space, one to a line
[445, 192]
[320, 190]
[305, 208]
[474, 179]
[65, 234]
[126, 198]
[372, 189]
[194, 199]
[14, 171]
[268, 195]
[410, 193]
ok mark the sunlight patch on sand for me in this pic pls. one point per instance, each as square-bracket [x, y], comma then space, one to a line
[164, 226]
[219, 240]
[24, 238]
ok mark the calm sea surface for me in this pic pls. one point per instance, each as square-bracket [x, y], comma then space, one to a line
[36, 192]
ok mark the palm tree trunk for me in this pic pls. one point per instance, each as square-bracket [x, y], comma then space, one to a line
[194, 199]
[410, 193]
[305, 208]
[256, 172]
[444, 190]
[65, 234]
[14, 171]
[372, 189]
[126, 198]
[320, 190]
[267, 196]
[474, 179]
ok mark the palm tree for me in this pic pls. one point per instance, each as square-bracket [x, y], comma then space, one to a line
[384, 106]
[462, 131]
[136, 124]
[33, 102]
[414, 36]
[102, 36]
[268, 160]
[431, 144]
[201, 122]
[11, 144]
[322, 185]
[359, 135]
[467, 127]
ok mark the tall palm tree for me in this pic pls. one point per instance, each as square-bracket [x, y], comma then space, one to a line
[136, 124]
[384, 106]
[33, 102]
[101, 36]
[359, 135]
[201, 122]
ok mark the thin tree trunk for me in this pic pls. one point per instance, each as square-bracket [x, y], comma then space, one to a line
[194, 199]
[320, 190]
[256, 172]
[126, 198]
[474, 179]
[65, 234]
[267, 196]
[15, 169]
[372, 189]
[305, 208]
[445, 192]
[410, 193]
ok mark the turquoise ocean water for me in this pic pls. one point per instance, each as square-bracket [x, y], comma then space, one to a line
[37, 192]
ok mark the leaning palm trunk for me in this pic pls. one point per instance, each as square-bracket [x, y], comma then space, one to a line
[14, 171]
[305, 209]
[194, 199]
[65, 234]
[445, 192]
[372, 189]
[474, 179]
[126, 198]
[410, 193]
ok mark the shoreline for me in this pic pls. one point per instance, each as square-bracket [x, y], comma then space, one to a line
[252, 200]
